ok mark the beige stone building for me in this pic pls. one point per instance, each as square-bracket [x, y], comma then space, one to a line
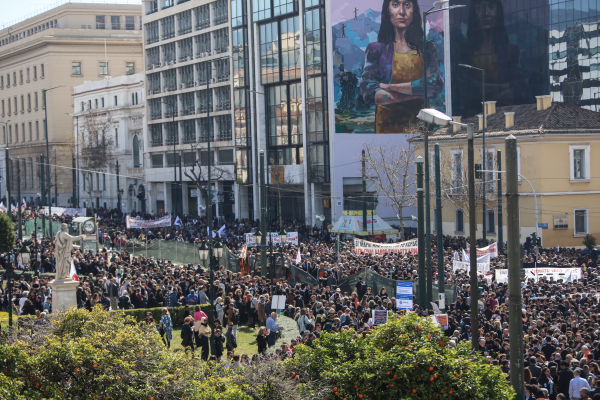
[66, 46]
[557, 146]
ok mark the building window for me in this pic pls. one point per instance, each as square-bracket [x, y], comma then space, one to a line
[224, 126]
[219, 12]
[580, 162]
[189, 131]
[30, 132]
[226, 157]
[155, 109]
[76, 68]
[103, 181]
[36, 100]
[316, 110]
[457, 171]
[21, 77]
[187, 77]
[222, 70]
[581, 222]
[241, 114]
[16, 133]
[134, 99]
[42, 70]
[202, 17]
[7, 80]
[22, 104]
[3, 108]
[188, 106]
[37, 130]
[222, 98]
[184, 20]
[116, 137]
[116, 102]
[238, 13]
[29, 102]
[100, 22]
[156, 135]
[157, 160]
[10, 134]
[30, 172]
[269, 53]
[240, 57]
[34, 72]
[459, 223]
[168, 27]
[491, 221]
[170, 79]
[186, 49]
[115, 22]
[169, 54]
[103, 68]
[102, 102]
[203, 45]
[261, 9]
[24, 164]
[136, 151]
[130, 23]
[221, 40]
[129, 68]
[27, 74]
[152, 32]
[284, 119]
[96, 103]
[314, 33]
[206, 127]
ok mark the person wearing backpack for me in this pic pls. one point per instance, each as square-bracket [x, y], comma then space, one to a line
[303, 321]
[232, 315]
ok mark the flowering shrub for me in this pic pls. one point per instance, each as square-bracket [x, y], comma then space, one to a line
[406, 358]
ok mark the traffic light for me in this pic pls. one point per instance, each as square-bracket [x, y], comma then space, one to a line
[535, 240]
[478, 174]
[340, 246]
[479, 292]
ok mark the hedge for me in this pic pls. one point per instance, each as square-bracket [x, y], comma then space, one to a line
[176, 313]
[28, 275]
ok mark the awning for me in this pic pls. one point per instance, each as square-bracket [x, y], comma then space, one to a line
[351, 223]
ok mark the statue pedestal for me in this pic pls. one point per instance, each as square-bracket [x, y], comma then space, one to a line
[64, 295]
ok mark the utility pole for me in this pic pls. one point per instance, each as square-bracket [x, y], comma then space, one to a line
[43, 179]
[420, 234]
[19, 211]
[438, 224]
[500, 242]
[55, 181]
[9, 206]
[473, 242]
[118, 192]
[263, 216]
[74, 198]
[515, 301]
[180, 190]
[9, 266]
[364, 191]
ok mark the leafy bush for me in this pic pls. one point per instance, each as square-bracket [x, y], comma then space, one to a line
[405, 358]
[7, 233]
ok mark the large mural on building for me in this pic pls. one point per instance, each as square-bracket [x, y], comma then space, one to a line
[378, 64]
[528, 48]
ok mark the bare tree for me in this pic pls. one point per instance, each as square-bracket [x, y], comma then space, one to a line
[455, 179]
[278, 178]
[96, 148]
[198, 173]
[391, 169]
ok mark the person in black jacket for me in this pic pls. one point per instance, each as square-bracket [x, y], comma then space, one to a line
[187, 335]
[219, 340]
[231, 342]
[564, 378]
[261, 340]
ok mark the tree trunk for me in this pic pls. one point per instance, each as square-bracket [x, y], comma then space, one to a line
[401, 230]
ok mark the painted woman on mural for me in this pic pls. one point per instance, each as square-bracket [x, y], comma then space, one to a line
[393, 74]
[488, 48]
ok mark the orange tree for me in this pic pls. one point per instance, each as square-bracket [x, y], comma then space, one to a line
[406, 358]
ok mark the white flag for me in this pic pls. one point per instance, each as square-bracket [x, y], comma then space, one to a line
[178, 221]
[24, 205]
[298, 258]
[222, 230]
[73, 272]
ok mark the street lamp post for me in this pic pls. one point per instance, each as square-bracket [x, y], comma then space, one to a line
[48, 155]
[175, 132]
[7, 180]
[483, 157]
[433, 116]
[434, 9]
[76, 181]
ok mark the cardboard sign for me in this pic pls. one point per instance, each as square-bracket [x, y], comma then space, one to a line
[404, 295]
[442, 319]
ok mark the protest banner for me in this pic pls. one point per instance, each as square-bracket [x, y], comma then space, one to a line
[292, 238]
[66, 211]
[465, 266]
[141, 224]
[380, 317]
[566, 274]
[442, 319]
[492, 250]
[250, 242]
[366, 247]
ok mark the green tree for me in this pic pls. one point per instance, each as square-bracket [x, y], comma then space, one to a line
[589, 241]
[7, 233]
[406, 358]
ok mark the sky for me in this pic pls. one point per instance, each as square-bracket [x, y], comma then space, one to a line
[13, 10]
[344, 9]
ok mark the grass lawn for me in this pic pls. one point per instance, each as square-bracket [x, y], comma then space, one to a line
[246, 340]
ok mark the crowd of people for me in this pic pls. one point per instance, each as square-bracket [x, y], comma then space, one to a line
[560, 319]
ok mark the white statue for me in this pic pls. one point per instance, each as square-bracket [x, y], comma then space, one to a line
[63, 244]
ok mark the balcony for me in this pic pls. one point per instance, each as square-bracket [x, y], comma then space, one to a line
[152, 11]
[156, 141]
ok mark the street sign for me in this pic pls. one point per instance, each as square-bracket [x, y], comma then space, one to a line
[194, 192]
[561, 221]
[543, 225]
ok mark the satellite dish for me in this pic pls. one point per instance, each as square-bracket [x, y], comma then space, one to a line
[202, 208]
[320, 217]
[412, 217]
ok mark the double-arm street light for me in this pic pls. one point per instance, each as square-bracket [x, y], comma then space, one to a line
[175, 129]
[76, 180]
[483, 157]
[437, 7]
[7, 180]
